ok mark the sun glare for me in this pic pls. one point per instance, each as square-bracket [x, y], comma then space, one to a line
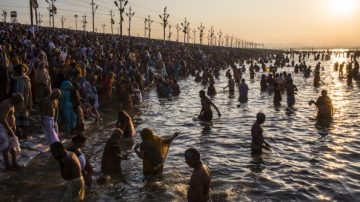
[342, 7]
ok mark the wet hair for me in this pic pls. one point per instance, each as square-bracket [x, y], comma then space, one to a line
[57, 147]
[192, 153]
[118, 131]
[78, 139]
[324, 92]
[260, 117]
[202, 93]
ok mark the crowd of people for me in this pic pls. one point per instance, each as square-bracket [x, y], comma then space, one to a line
[67, 76]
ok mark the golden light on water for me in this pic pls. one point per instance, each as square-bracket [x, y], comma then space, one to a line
[343, 7]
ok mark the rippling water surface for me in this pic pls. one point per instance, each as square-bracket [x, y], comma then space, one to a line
[306, 162]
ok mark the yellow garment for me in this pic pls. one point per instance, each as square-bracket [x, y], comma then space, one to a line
[80, 69]
[75, 190]
[161, 145]
[16, 61]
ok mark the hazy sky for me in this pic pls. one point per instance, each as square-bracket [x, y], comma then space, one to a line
[285, 23]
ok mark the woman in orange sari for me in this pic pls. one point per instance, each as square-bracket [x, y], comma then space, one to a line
[153, 151]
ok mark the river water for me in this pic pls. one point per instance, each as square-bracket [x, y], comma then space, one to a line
[306, 162]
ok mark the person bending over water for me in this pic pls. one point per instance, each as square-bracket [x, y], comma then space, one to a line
[324, 106]
[70, 169]
[125, 123]
[111, 158]
[153, 151]
[199, 189]
[206, 112]
[258, 142]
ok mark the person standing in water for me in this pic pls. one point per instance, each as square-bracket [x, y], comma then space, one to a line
[70, 169]
[211, 90]
[290, 91]
[277, 95]
[243, 91]
[324, 106]
[258, 142]
[231, 85]
[317, 75]
[86, 168]
[112, 156]
[199, 189]
[206, 112]
[153, 151]
[125, 123]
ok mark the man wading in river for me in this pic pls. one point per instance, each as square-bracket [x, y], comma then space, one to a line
[199, 189]
[70, 169]
[324, 106]
[206, 112]
[258, 142]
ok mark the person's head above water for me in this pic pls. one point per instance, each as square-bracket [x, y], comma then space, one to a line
[79, 140]
[202, 93]
[57, 150]
[324, 92]
[260, 118]
[117, 132]
[192, 157]
[146, 134]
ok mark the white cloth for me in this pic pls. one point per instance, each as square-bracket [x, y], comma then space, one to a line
[49, 128]
[75, 190]
[7, 142]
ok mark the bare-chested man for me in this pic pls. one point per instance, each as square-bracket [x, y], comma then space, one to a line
[257, 138]
[70, 169]
[324, 106]
[199, 190]
[231, 85]
[8, 139]
[49, 115]
[206, 112]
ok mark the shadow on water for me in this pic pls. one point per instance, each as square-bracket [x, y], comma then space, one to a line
[256, 164]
